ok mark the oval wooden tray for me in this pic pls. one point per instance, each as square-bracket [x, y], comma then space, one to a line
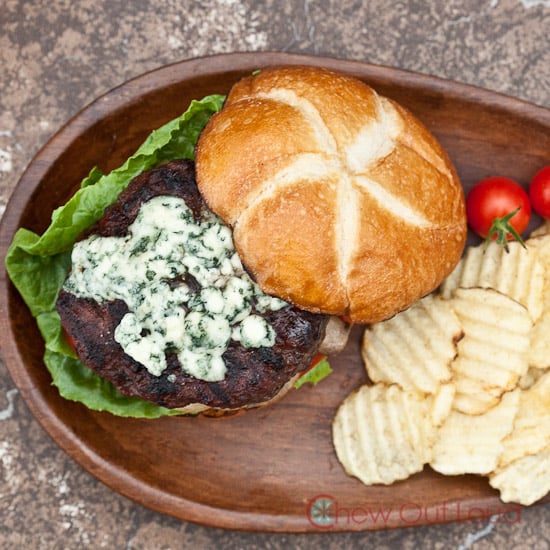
[271, 469]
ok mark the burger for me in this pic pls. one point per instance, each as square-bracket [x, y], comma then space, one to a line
[212, 267]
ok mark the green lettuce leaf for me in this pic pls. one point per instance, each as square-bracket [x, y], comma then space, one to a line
[78, 383]
[313, 376]
[37, 265]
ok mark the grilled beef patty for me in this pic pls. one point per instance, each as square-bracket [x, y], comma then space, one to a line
[254, 375]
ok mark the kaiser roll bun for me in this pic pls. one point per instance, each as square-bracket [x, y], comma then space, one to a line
[340, 200]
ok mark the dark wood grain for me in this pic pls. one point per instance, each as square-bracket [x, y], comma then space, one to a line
[258, 470]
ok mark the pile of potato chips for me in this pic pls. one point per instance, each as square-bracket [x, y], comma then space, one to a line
[461, 380]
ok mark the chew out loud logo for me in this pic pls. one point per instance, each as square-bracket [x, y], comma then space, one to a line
[324, 512]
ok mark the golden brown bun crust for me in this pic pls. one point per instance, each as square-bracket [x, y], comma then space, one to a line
[341, 201]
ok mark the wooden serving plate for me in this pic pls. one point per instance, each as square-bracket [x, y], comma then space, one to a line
[265, 469]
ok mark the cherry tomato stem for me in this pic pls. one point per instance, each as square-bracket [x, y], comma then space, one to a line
[498, 208]
[501, 229]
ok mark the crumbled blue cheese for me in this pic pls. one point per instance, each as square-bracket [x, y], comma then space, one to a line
[147, 269]
[253, 330]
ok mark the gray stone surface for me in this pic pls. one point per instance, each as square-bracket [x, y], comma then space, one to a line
[57, 56]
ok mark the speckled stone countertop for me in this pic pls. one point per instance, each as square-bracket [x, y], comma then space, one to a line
[59, 55]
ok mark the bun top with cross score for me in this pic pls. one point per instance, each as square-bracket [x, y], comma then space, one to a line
[341, 201]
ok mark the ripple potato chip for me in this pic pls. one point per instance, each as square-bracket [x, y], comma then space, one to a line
[518, 273]
[415, 347]
[539, 351]
[468, 444]
[492, 356]
[525, 480]
[383, 433]
[531, 432]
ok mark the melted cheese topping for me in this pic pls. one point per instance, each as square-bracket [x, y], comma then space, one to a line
[184, 285]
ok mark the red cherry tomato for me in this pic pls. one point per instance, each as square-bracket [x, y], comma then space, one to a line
[498, 208]
[539, 192]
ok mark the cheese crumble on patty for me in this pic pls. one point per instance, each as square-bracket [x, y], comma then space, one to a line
[184, 284]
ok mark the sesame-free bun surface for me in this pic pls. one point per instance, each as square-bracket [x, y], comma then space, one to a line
[340, 200]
